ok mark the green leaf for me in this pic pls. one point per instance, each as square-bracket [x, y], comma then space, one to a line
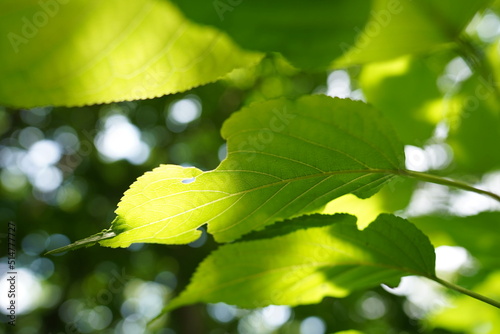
[87, 51]
[457, 231]
[286, 158]
[406, 90]
[400, 27]
[396, 195]
[304, 266]
[308, 33]
[475, 131]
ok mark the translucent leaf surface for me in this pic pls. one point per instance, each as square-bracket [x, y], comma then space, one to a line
[306, 265]
[83, 52]
[395, 196]
[406, 90]
[285, 158]
[404, 27]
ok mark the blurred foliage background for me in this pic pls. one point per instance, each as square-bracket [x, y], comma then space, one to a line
[65, 169]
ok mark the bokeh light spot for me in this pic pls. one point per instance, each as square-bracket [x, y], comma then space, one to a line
[312, 325]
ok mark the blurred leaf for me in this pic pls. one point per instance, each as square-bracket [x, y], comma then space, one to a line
[85, 52]
[476, 129]
[405, 89]
[308, 33]
[291, 225]
[478, 234]
[403, 27]
[304, 266]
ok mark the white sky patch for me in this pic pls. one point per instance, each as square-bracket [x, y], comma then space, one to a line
[450, 259]
[312, 325]
[441, 131]
[429, 198]
[339, 84]
[151, 299]
[144, 299]
[47, 179]
[120, 139]
[357, 95]
[438, 155]
[9, 156]
[265, 320]
[430, 157]
[458, 70]
[133, 324]
[29, 294]
[45, 153]
[276, 315]
[423, 295]
[185, 111]
[466, 203]
[416, 159]
[488, 28]
[38, 164]
[222, 312]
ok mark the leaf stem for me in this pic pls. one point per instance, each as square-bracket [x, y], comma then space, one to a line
[447, 182]
[87, 242]
[467, 292]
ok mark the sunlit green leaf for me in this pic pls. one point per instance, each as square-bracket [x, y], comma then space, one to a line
[399, 27]
[406, 90]
[83, 52]
[304, 266]
[396, 195]
[285, 158]
[309, 33]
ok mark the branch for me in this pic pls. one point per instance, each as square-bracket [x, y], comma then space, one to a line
[467, 292]
[447, 182]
